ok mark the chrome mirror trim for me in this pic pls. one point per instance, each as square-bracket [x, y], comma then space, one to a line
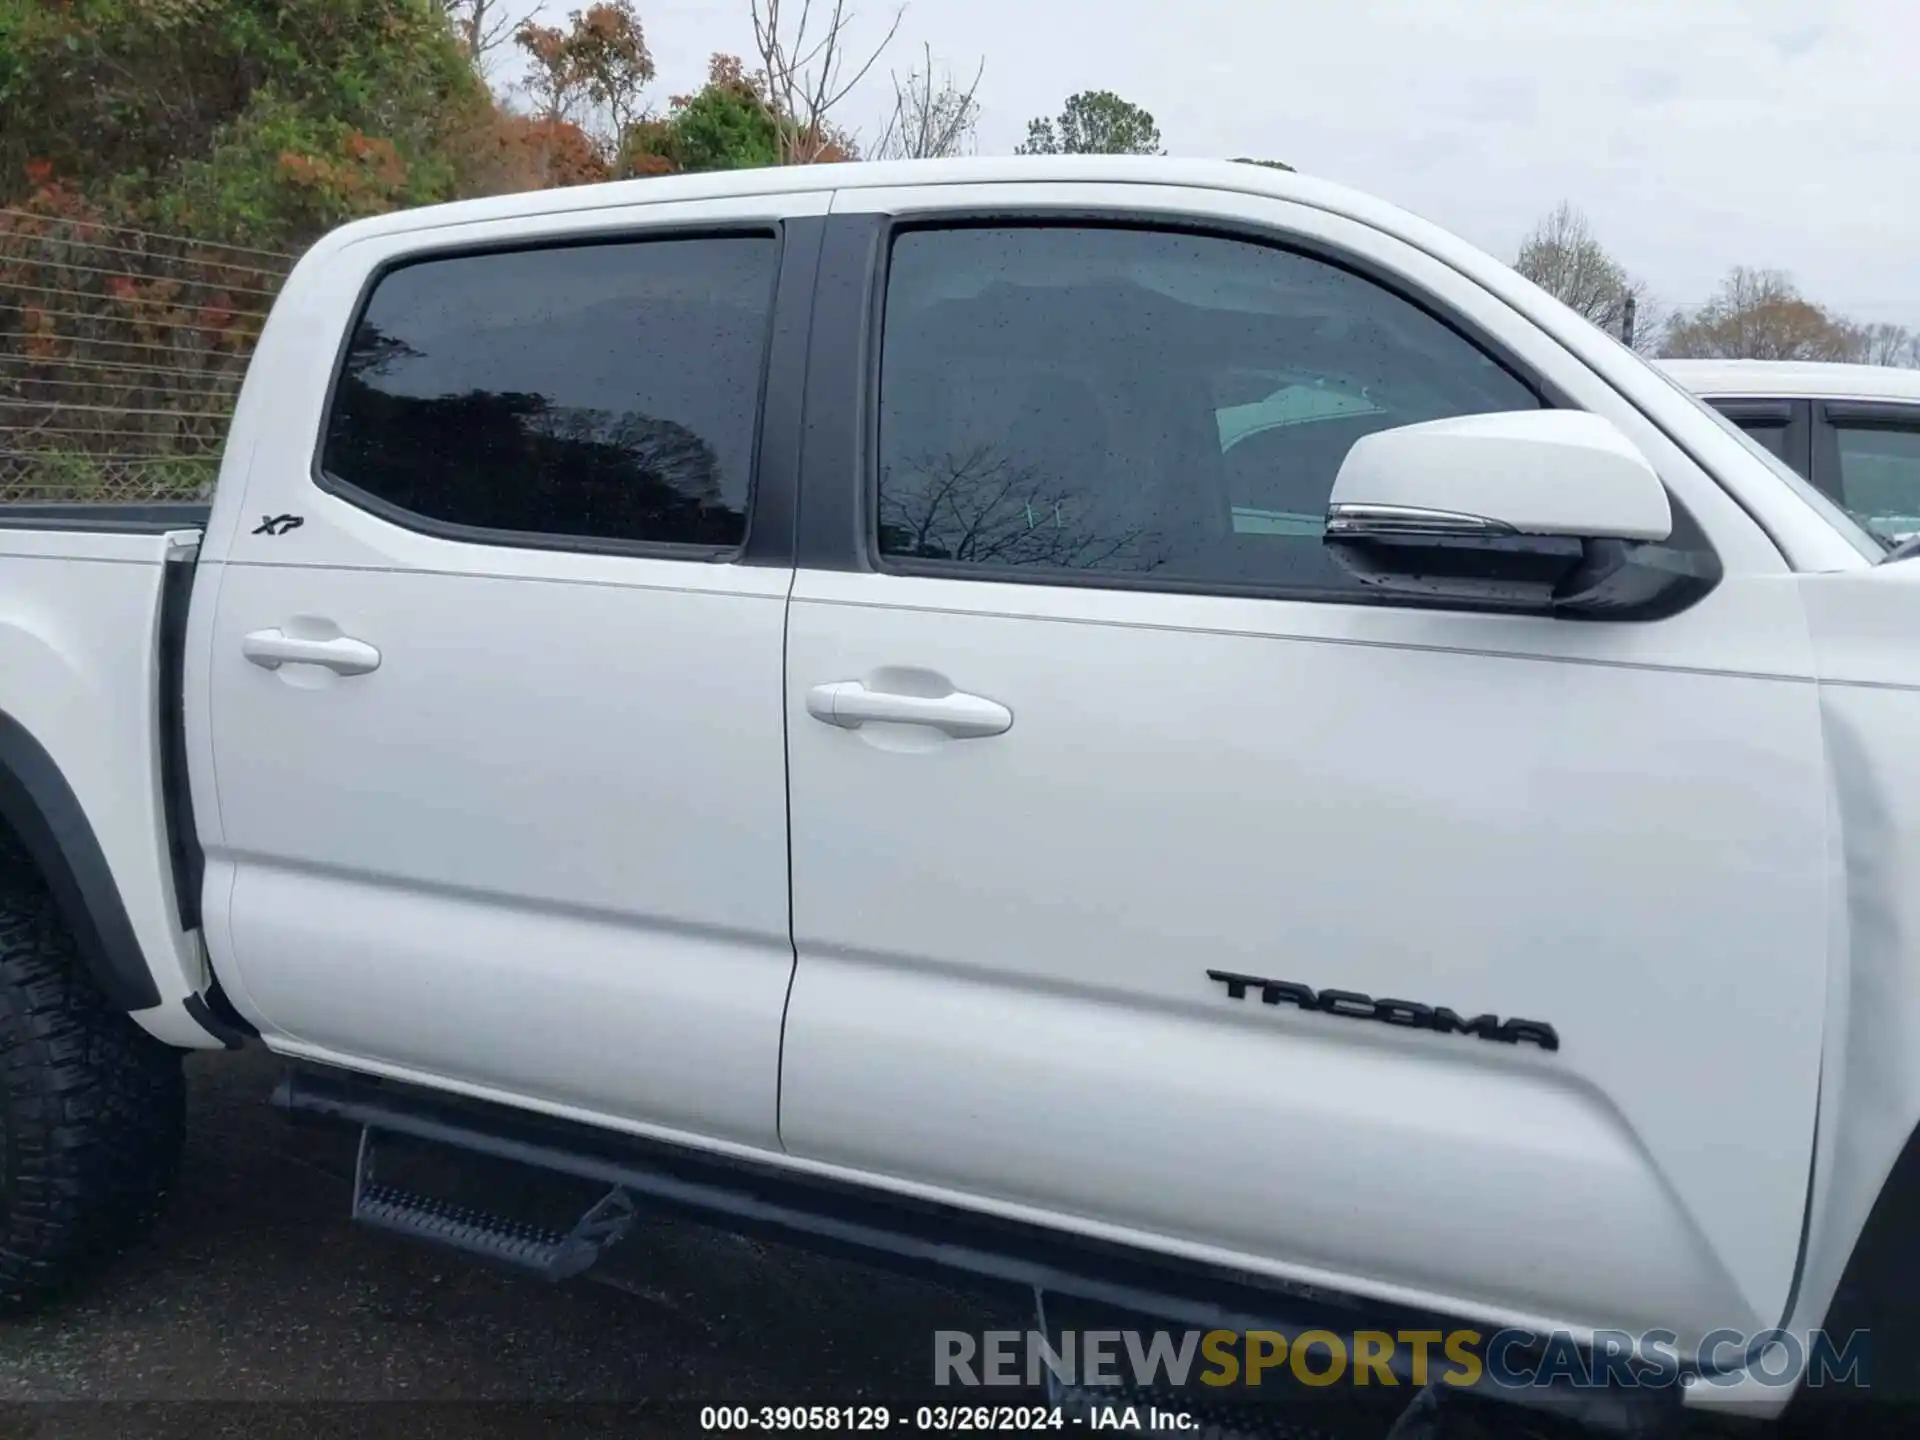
[1361, 521]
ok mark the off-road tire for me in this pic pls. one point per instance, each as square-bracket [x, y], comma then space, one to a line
[92, 1108]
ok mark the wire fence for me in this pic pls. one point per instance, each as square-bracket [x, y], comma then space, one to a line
[121, 354]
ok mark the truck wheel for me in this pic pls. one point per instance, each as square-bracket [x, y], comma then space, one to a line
[92, 1109]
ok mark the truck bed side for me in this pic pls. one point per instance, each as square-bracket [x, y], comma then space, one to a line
[87, 597]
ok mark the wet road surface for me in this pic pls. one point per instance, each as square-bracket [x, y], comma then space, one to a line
[258, 1309]
[258, 1293]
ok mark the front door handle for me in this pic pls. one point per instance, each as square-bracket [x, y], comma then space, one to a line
[849, 704]
[344, 655]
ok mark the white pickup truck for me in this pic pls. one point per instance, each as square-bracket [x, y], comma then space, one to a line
[1153, 729]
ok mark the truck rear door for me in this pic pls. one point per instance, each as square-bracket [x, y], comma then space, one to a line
[490, 694]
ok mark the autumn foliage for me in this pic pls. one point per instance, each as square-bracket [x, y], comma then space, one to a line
[255, 122]
[532, 152]
[163, 161]
[123, 351]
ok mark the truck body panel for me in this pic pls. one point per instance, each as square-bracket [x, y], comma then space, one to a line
[1348, 778]
[523, 805]
[80, 622]
[566, 792]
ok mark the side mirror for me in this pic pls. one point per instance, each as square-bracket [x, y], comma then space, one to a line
[1550, 511]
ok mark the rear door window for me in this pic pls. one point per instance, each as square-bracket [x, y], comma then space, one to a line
[602, 393]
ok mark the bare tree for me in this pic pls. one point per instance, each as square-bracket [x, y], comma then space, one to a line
[803, 69]
[1563, 257]
[1883, 344]
[483, 26]
[932, 116]
[978, 505]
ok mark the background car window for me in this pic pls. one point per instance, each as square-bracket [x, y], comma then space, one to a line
[1769, 433]
[1816, 498]
[603, 391]
[1880, 477]
[1143, 404]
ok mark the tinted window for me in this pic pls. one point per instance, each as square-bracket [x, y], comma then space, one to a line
[1816, 498]
[1146, 404]
[1770, 434]
[603, 391]
[1880, 477]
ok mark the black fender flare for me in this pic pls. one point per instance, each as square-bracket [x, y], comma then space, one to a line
[1875, 1298]
[38, 805]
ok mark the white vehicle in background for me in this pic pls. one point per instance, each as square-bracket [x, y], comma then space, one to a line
[1853, 430]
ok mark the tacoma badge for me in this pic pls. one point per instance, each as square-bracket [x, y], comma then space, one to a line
[1355, 1006]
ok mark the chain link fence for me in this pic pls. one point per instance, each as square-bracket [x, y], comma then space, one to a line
[121, 354]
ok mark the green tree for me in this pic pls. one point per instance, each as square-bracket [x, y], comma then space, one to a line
[722, 129]
[729, 124]
[1094, 122]
[726, 125]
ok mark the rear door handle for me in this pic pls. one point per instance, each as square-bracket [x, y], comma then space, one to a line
[849, 704]
[344, 655]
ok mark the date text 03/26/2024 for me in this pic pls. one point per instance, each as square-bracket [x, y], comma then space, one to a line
[967, 1419]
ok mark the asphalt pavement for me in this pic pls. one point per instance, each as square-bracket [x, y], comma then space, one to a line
[258, 1308]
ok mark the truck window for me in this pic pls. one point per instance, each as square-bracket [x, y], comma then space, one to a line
[1134, 405]
[1879, 471]
[606, 392]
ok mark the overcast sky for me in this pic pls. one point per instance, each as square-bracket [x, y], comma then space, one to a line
[1696, 134]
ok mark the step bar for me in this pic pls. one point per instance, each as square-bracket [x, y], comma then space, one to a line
[548, 1254]
[898, 1232]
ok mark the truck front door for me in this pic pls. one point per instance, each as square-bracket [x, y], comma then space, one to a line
[1093, 751]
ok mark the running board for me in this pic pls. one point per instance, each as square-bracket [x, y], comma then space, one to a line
[549, 1254]
[837, 1217]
